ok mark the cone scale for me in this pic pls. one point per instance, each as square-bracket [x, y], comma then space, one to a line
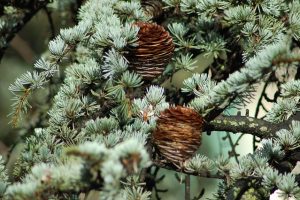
[178, 134]
[153, 53]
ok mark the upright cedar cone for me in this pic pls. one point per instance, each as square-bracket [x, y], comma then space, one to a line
[178, 134]
[153, 8]
[154, 51]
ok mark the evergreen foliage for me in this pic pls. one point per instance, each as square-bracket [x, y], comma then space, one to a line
[96, 137]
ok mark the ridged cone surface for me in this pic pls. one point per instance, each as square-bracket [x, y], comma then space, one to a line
[178, 134]
[153, 8]
[154, 51]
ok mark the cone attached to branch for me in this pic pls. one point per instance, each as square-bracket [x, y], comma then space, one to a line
[153, 53]
[153, 8]
[178, 134]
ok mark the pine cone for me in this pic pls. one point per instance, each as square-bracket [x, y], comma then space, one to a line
[154, 51]
[178, 134]
[153, 8]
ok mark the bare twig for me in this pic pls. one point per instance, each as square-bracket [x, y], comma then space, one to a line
[187, 187]
[233, 152]
[243, 124]
[50, 20]
[260, 105]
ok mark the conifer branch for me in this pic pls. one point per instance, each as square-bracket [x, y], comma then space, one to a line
[242, 124]
[14, 22]
[20, 106]
[285, 59]
[33, 81]
[169, 166]
[103, 99]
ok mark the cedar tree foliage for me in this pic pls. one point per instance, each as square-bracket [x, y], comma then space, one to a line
[114, 114]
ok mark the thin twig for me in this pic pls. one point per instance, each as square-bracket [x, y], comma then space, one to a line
[264, 108]
[174, 168]
[259, 105]
[259, 102]
[16, 114]
[233, 151]
[238, 139]
[50, 21]
[187, 187]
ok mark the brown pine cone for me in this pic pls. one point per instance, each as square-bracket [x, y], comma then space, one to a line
[153, 53]
[153, 8]
[178, 134]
